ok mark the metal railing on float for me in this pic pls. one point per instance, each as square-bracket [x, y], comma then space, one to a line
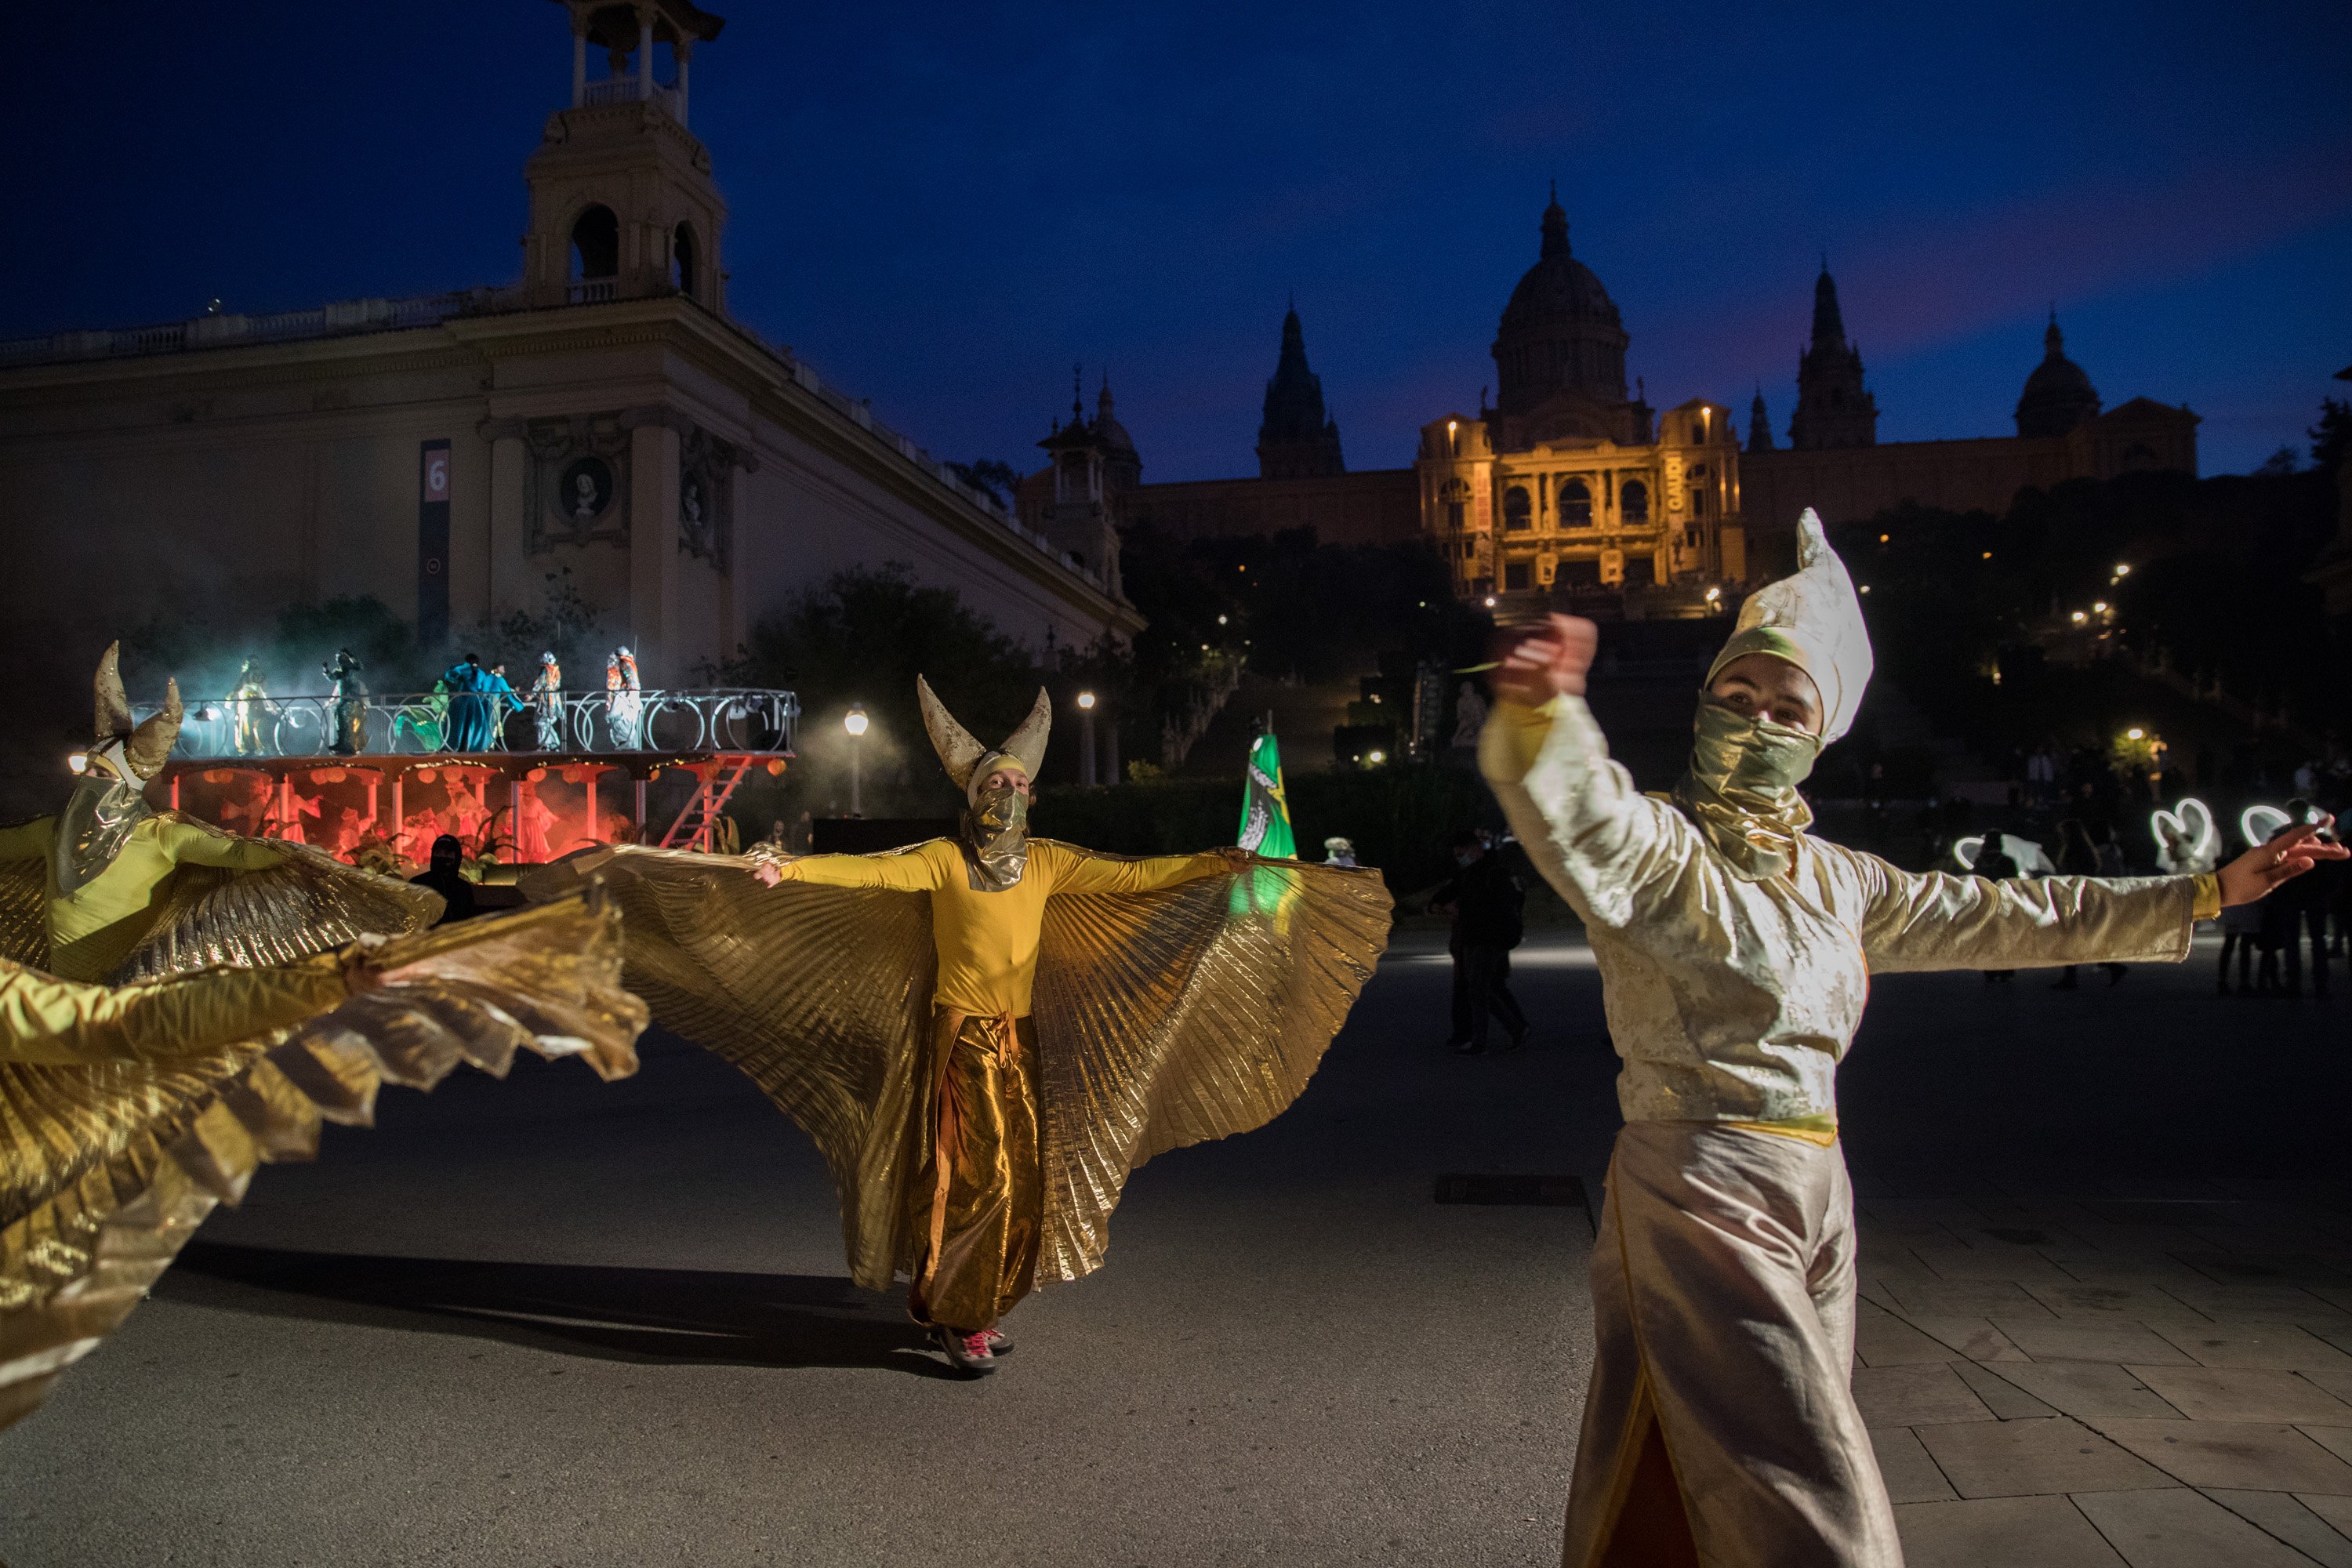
[734, 719]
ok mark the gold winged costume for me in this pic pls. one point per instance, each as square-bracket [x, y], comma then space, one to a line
[983, 1036]
[112, 889]
[127, 1114]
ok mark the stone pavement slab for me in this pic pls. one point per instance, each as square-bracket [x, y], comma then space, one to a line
[2001, 1532]
[1910, 1474]
[2335, 1510]
[2244, 1454]
[2018, 1458]
[2281, 1345]
[2088, 1390]
[2289, 1519]
[1915, 1396]
[1974, 1338]
[2004, 1398]
[2183, 1530]
[2243, 1394]
[2116, 1341]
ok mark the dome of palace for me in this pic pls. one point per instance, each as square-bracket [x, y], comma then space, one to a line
[2058, 395]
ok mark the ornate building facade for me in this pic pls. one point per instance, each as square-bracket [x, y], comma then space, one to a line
[603, 416]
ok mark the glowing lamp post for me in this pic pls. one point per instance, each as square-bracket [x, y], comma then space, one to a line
[1086, 745]
[854, 722]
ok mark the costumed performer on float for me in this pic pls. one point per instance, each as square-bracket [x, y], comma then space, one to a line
[623, 700]
[127, 1114]
[984, 1034]
[547, 705]
[1734, 951]
[113, 890]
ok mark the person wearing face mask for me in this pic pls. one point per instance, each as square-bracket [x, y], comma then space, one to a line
[1734, 951]
[984, 1034]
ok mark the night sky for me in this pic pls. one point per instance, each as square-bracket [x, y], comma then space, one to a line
[944, 205]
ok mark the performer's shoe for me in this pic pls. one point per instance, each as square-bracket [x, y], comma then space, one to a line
[967, 1354]
[1514, 1038]
[999, 1342]
[1466, 1048]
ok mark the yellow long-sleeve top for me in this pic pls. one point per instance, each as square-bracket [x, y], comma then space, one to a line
[94, 928]
[1733, 999]
[987, 939]
[48, 1022]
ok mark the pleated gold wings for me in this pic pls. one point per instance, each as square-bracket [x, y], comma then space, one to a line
[309, 903]
[105, 1171]
[1163, 1019]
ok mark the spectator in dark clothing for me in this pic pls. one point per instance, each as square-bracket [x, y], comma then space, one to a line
[2296, 909]
[1996, 864]
[444, 877]
[1485, 902]
[2078, 856]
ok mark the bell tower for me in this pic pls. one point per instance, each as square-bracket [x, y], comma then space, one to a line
[621, 204]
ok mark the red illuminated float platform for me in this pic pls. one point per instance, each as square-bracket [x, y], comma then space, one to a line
[658, 771]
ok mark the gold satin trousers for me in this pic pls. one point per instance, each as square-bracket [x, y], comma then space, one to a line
[977, 1200]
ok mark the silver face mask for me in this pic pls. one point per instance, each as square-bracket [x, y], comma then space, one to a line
[996, 838]
[92, 829]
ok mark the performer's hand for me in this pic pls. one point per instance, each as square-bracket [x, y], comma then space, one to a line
[1236, 857]
[1535, 664]
[2283, 859]
[768, 872]
[362, 974]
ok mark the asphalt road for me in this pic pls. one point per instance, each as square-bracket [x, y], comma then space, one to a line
[555, 1322]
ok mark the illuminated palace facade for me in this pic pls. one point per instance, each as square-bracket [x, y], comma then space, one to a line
[1569, 490]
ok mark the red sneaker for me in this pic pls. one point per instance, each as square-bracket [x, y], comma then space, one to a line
[999, 1342]
[967, 1354]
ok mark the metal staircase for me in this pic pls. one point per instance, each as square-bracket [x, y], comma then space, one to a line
[698, 821]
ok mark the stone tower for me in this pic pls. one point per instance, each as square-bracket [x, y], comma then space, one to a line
[2058, 395]
[1759, 425]
[1077, 510]
[622, 206]
[1296, 439]
[1832, 407]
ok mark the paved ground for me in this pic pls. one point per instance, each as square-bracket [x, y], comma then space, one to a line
[556, 1323]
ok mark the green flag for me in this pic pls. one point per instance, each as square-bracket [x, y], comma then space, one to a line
[1265, 809]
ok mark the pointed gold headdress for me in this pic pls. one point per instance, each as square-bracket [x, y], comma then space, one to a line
[130, 750]
[1813, 619]
[966, 760]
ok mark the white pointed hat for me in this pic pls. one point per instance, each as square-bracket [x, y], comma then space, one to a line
[961, 752]
[1812, 619]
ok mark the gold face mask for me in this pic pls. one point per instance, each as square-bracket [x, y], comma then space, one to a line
[96, 823]
[996, 838]
[1741, 788]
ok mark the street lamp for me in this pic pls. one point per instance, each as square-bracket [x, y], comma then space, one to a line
[854, 722]
[1087, 774]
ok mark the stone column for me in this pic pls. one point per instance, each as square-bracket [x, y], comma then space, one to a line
[653, 546]
[496, 573]
[684, 49]
[646, 56]
[579, 66]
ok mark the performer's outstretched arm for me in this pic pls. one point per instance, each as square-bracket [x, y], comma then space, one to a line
[49, 1022]
[26, 840]
[188, 845]
[1934, 921]
[922, 871]
[1078, 871]
[1915, 920]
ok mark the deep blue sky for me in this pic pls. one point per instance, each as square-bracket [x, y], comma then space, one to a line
[943, 205]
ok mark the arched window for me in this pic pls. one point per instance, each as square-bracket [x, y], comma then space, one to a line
[1515, 508]
[1635, 495]
[685, 257]
[1457, 496]
[1576, 504]
[595, 245]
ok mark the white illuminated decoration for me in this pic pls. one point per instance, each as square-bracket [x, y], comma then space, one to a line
[2257, 823]
[854, 720]
[2031, 858]
[2187, 839]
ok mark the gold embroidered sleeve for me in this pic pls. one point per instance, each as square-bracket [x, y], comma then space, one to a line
[1918, 920]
